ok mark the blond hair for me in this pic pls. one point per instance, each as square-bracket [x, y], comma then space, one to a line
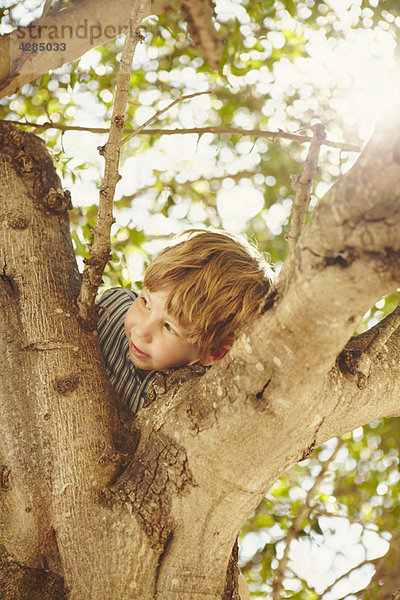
[216, 282]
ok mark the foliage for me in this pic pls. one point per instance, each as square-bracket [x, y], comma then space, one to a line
[270, 78]
[349, 521]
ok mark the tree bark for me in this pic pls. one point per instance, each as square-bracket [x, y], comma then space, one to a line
[150, 507]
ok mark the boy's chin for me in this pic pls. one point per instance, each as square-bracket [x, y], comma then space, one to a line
[143, 365]
[139, 363]
[147, 365]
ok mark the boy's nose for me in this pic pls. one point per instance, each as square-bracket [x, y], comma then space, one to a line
[144, 333]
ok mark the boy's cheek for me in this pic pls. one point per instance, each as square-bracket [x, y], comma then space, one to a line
[126, 324]
[130, 317]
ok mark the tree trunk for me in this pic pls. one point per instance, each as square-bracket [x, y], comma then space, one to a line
[146, 507]
[57, 453]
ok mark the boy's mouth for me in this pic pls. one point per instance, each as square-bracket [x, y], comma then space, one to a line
[138, 353]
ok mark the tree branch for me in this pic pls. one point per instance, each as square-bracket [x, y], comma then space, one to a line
[257, 133]
[340, 265]
[199, 18]
[101, 246]
[303, 186]
[374, 400]
[357, 357]
[46, 9]
[388, 326]
[17, 64]
[17, 69]
[82, 26]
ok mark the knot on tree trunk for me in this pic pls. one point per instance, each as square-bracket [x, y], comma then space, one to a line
[18, 582]
[30, 159]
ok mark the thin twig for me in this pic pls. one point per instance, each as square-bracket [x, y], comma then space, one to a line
[160, 112]
[316, 510]
[303, 186]
[46, 9]
[296, 524]
[101, 246]
[345, 575]
[257, 133]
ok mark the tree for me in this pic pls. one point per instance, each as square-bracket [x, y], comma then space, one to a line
[121, 507]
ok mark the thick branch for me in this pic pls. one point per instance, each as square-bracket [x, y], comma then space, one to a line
[356, 358]
[278, 392]
[388, 326]
[57, 454]
[80, 29]
[352, 405]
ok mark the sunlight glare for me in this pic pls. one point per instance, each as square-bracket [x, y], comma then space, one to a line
[364, 67]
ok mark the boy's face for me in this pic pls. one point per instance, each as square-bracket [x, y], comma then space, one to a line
[155, 339]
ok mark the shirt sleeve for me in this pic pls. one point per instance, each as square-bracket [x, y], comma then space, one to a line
[113, 306]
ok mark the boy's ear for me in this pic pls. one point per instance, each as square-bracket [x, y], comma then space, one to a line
[210, 359]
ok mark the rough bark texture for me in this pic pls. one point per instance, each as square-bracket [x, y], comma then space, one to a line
[57, 453]
[151, 507]
[88, 24]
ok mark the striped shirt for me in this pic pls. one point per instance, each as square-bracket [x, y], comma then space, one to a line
[122, 373]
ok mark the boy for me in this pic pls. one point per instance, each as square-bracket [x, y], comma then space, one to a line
[196, 296]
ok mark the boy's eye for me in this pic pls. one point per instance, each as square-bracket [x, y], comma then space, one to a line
[170, 329]
[144, 301]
